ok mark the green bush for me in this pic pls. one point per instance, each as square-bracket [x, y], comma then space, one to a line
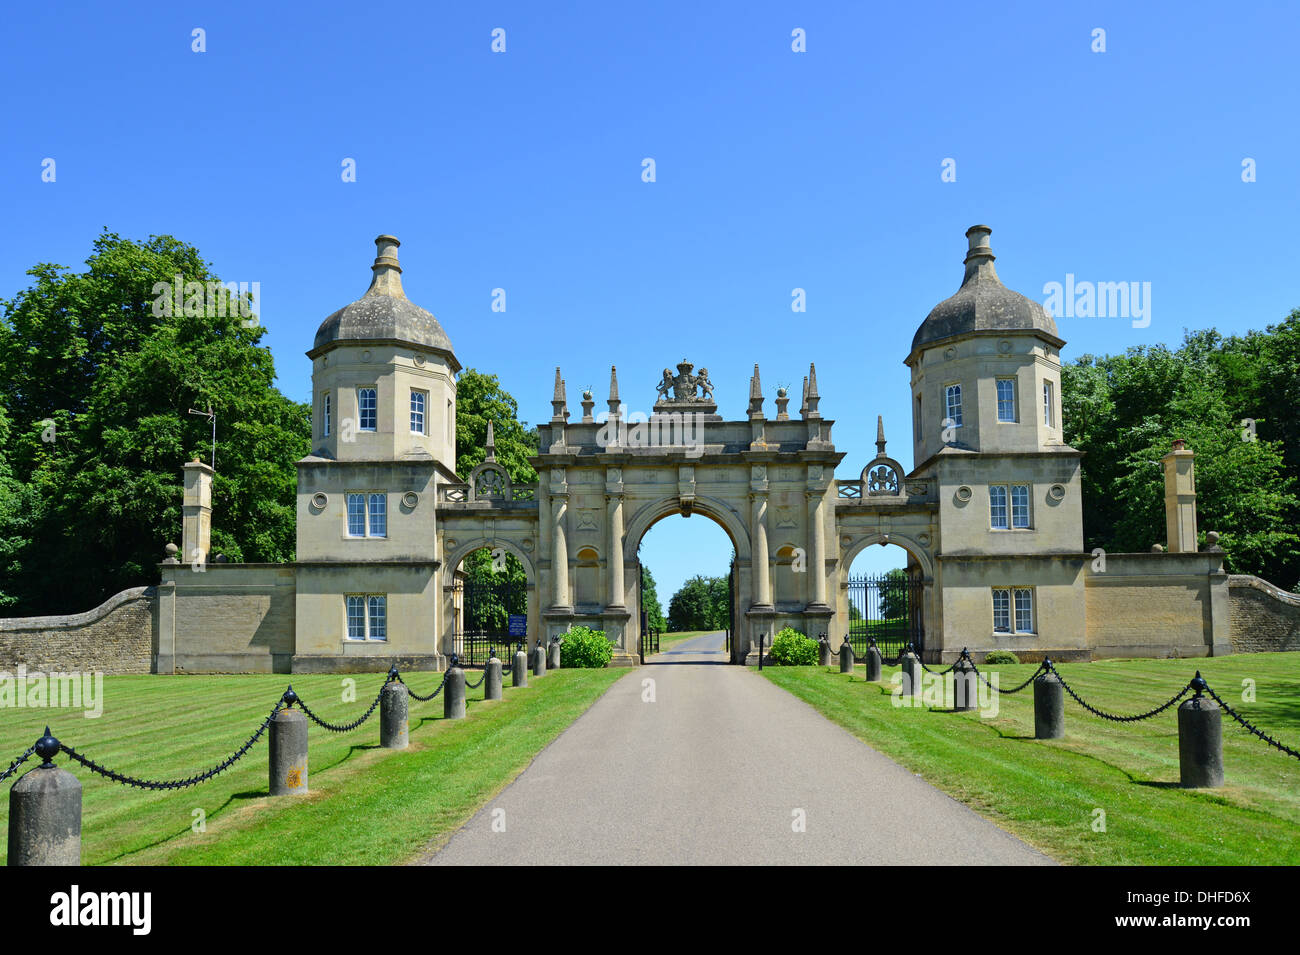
[584, 647]
[1001, 656]
[792, 649]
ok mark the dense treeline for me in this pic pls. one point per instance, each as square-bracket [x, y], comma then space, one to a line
[702, 603]
[1234, 400]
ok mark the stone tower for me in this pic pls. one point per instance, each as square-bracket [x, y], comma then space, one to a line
[383, 438]
[986, 412]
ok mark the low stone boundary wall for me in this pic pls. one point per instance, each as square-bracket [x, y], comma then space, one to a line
[115, 637]
[1264, 617]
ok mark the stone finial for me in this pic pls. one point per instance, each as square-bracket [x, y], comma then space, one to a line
[1180, 498]
[782, 402]
[490, 445]
[755, 394]
[812, 399]
[803, 402]
[614, 401]
[979, 256]
[387, 278]
[559, 403]
[880, 436]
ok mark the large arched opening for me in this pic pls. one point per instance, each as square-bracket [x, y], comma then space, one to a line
[690, 580]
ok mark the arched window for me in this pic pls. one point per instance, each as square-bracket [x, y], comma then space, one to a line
[367, 410]
[952, 404]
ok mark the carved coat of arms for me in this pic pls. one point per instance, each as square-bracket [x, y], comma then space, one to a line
[685, 386]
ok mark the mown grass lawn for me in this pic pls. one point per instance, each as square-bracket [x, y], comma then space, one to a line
[669, 640]
[367, 805]
[1047, 792]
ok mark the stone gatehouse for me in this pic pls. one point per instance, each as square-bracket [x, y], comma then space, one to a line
[990, 515]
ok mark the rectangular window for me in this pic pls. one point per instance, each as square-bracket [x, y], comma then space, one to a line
[1024, 610]
[325, 413]
[419, 400]
[920, 422]
[1049, 410]
[367, 616]
[1020, 505]
[952, 399]
[378, 617]
[378, 516]
[356, 617]
[367, 409]
[1001, 610]
[356, 515]
[998, 506]
[1006, 399]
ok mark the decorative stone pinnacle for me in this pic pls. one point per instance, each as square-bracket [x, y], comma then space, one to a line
[755, 394]
[812, 399]
[387, 278]
[559, 403]
[880, 436]
[613, 391]
[490, 445]
[803, 402]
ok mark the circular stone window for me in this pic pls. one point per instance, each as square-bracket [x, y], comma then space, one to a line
[410, 499]
[964, 493]
[318, 501]
[1004, 346]
[419, 360]
[365, 355]
[1056, 492]
[949, 354]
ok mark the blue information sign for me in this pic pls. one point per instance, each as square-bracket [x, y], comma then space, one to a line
[518, 625]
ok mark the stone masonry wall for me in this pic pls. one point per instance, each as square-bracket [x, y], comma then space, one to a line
[115, 637]
[1263, 617]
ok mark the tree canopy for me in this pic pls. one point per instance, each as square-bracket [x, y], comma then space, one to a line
[1233, 400]
[97, 381]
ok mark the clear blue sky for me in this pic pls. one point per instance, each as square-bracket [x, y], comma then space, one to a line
[775, 170]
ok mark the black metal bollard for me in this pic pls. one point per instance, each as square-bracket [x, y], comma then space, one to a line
[553, 655]
[761, 638]
[492, 681]
[394, 712]
[873, 662]
[847, 660]
[911, 664]
[1049, 704]
[519, 672]
[288, 749]
[1200, 740]
[45, 812]
[965, 694]
[539, 658]
[453, 693]
[823, 652]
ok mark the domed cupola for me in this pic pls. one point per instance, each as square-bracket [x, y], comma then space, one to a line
[384, 377]
[986, 368]
[983, 305]
[384, 314]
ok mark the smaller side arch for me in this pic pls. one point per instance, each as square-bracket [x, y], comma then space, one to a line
[464, 549]
[904, 541]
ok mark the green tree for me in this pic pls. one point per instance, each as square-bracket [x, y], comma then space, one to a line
[654, 611]
[702, 603]
[894, 595]
[98, 371]
[1125, 410]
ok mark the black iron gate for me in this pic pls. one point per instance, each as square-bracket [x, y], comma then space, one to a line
[483, 610]
[887, 609]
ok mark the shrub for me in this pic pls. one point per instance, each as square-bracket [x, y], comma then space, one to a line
[792, 649]
[1001, 656]
[584, 647]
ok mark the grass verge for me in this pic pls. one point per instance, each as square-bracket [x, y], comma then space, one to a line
[367, 805]
[1049, 792]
